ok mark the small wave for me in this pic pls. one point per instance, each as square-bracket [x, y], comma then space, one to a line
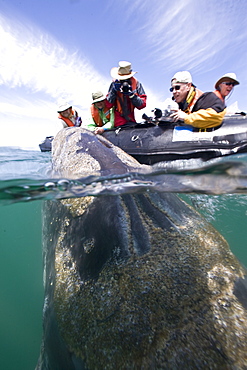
[16, 163]
[218, 176]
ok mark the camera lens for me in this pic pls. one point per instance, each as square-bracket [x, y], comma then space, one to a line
[125, 87]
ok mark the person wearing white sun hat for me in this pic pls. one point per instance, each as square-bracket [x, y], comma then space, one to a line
[68, 115]
[225, 84]
[125, 94]
[203, 111]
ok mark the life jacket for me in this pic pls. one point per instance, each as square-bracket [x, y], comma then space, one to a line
[217, 93]
[96, 116]
[191, 99]
[67, 120]
[126, 107]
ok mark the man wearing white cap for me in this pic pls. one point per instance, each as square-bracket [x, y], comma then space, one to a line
[125, 94]
[197, 109]
[102, 115]
[68, 116]
[225, 84]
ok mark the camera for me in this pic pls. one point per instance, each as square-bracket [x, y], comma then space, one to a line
[125, 87]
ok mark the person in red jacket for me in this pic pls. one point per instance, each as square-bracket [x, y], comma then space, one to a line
[125, 94]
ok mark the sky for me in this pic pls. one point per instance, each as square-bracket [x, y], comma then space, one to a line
[64, 49]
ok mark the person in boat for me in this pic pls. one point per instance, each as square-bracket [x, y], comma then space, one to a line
[225, 84]
[102, 115]
[125, 94]
[68, 115]
[197, 109]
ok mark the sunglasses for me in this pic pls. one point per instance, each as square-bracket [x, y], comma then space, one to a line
[176, 87]
[229, 83]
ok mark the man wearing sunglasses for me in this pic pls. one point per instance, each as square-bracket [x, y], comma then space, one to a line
[224, 86]
[197, 109]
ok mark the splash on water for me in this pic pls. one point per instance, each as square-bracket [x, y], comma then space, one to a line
[33, 180]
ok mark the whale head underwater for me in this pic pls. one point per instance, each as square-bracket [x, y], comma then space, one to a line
[135, 281]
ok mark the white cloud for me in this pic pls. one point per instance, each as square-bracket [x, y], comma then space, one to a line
[36, 71]
[35, 60]
[189, 33]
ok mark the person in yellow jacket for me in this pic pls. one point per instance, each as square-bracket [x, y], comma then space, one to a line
[102, 115]
[197, 109]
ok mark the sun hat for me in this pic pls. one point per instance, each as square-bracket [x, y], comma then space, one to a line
[62, 107]
[182, 77]
[226, 77]
[123, 71]
[97, 96]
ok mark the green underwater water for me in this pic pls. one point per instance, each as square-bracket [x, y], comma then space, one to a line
[228, 214]
[21, 269]
[231, 222]
[21, 285]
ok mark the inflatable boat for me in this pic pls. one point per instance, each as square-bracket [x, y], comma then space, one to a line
[45, 146]
[156, 140]
[164, 140]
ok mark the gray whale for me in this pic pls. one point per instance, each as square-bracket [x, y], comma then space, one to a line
[136, 281]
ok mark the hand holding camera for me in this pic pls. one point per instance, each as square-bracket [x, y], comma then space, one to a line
[117, 85]
[126, 88]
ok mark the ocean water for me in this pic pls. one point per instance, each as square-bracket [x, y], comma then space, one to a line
[217, 189]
